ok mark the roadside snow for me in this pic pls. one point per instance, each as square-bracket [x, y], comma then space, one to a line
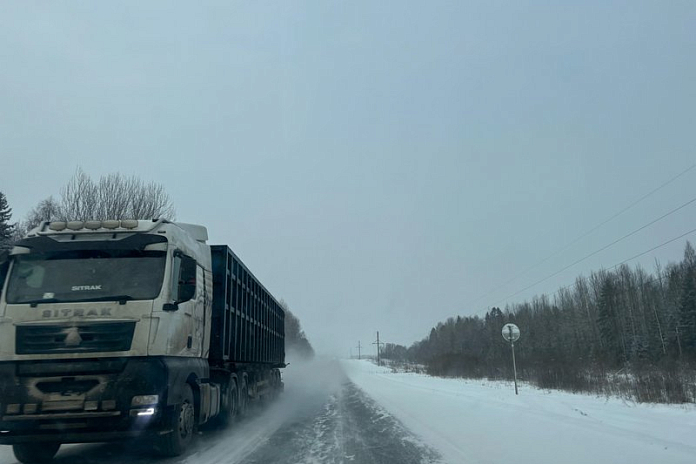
[484, 422]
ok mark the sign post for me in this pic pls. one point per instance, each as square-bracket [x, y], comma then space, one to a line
[511, 333]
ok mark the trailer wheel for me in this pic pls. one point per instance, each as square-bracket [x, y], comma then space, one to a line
[34, 453]
[243, 398]
[183, 422]
[277, 383]
[273, 388]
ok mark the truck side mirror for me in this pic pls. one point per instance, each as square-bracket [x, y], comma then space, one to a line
[170, 307]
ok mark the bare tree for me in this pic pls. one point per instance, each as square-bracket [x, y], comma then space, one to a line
[79, 197]
[113, 196]
[47, 210]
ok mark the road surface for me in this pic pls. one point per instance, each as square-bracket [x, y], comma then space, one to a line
[327, 421]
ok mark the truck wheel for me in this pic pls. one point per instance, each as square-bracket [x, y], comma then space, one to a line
[183, 422]
[243, 399]
[31, 453]
[230, 406]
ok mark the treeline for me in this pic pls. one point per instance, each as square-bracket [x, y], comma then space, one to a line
[624, 332]
[296, 341]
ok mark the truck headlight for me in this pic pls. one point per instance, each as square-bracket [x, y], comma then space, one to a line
[144, 400]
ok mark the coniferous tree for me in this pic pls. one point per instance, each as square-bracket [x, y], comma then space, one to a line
[687, 307]
[607, 319]
[7, 230]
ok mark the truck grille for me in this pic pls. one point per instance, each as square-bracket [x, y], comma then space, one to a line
[75, 338]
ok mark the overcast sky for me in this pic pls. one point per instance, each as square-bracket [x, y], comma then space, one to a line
[378, 165]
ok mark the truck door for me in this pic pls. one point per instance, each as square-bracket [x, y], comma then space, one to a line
[198, 308]
[4, 267]
[184, 336]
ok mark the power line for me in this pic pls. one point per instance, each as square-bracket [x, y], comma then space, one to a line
[574, 241]
[599, 250]
[654, 248]
[631, 259]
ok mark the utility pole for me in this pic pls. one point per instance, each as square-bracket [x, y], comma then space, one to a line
[379, 363]
[359, 347]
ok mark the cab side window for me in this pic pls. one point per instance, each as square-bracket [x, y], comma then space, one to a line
[183, 277]
[4, 266]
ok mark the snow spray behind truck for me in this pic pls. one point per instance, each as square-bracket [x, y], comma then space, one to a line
[118, 329]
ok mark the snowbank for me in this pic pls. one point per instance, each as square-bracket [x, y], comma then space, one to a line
[484, 422]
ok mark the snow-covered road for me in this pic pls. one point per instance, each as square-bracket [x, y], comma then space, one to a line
[321, 418]
[353, 412]
[471, 421]
[308, 388]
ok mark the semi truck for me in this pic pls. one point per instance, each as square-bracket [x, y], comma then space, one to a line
[120, 329]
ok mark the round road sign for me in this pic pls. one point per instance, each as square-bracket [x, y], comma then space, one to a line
[511, 332]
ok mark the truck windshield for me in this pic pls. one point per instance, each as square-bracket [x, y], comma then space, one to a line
[86, 276]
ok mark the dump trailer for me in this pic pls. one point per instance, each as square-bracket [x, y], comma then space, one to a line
[111, 330]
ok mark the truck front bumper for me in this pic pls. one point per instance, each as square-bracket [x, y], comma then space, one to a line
[75, 437]
[78, 401]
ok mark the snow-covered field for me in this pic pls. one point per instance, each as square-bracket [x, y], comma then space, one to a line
[471, 421]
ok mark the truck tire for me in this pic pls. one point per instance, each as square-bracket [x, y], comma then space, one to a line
[243, 399]
[183, 422]
[33, 453]
[230, 407]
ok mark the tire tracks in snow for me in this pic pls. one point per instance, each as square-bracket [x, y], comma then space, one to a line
[350, 429]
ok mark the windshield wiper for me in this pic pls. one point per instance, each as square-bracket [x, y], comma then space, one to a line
[35, 303]
[120, 298]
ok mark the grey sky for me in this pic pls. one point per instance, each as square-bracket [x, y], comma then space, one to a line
[378, 165]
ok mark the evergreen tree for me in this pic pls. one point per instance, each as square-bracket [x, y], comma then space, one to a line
[6, 229]
[687, 304]
[607, 319]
